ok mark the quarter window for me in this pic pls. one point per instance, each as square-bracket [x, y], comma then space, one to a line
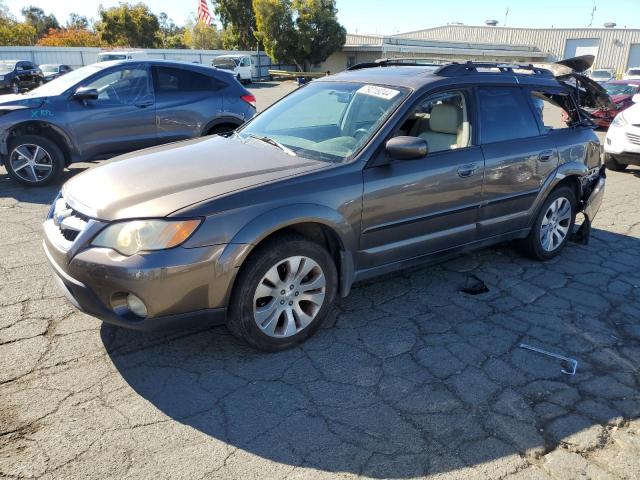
[505, 115]
[555, 110]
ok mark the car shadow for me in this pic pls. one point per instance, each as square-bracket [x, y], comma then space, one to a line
[10, 189]
[410, 376]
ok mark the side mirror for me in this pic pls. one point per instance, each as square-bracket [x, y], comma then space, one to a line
[407, 148]
[84, 94]
[636, 98]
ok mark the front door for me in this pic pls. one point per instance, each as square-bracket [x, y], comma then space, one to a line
[423, 206]
[121, 119]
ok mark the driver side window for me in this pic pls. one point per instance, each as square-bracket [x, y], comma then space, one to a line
[123, 86]
[442, 120]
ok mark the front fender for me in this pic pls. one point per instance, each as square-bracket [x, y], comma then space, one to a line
[280, 218]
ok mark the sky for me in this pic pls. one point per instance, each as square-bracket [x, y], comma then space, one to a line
[395, 16]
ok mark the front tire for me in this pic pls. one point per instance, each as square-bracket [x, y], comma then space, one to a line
[612, 164]
[15, 87]
[283, 293]
[34, 161]
[553, 225]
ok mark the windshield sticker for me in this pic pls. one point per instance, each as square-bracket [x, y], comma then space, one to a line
[380, 92]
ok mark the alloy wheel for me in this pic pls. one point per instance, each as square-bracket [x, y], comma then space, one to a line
[289, 296]
[555, 224]
[31, 162]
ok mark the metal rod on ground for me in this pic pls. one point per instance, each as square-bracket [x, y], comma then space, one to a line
[573, 362]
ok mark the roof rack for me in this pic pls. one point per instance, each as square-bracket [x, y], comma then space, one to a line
[389, 62]
[454, 69]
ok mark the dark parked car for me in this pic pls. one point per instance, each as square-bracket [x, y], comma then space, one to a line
[352, 176]
[54, 70]
[16, 75]
[621, 93]
[110, 108]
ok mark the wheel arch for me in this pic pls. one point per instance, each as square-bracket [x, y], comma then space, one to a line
[221, 121]
[319, 224]
[44, 129]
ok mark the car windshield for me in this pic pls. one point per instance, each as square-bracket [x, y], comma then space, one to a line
[225, 63]
[620, 88]
[327, 121]
[6, 67]
[634, 71]
[61, 84]
[49, 68]
[601, 74]
[107, 57]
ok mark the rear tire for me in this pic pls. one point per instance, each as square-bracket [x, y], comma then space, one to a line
[612, 164]
[264, 316]
[34, 161]
[553, 226]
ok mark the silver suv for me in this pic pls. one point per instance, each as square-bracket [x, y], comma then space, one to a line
[355, 175]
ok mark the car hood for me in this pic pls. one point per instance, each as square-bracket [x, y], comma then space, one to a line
[620, 98]
[158, 181]
[17, 101]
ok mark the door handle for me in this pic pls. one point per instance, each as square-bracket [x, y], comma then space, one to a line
[467, 170]
[545, 156]
[144, 103]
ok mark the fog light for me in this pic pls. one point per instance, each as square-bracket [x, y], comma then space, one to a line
[136, 305]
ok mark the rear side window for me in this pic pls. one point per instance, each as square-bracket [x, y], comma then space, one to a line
[167, 80]
[505, 115]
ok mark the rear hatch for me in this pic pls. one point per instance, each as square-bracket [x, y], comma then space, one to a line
[588, 93]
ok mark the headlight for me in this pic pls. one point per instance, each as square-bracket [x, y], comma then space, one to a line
[619, 121]
[129, 238]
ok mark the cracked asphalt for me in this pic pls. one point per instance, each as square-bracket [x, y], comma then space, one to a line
[409, 378]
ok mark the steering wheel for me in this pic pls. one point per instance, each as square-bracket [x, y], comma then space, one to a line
[360, 132]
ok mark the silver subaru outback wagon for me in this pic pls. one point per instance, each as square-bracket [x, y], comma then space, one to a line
[382, 167]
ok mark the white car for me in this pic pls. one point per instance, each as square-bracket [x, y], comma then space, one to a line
[240, 65]
[622, 145]
[632, 74]
[122, 55]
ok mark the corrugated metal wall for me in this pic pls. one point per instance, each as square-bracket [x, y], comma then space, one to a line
[613, 50]
[80, 56]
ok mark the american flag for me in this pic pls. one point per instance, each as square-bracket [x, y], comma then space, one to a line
[203, 12]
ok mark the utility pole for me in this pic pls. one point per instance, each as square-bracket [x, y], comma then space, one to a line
[506, 14]
[593, 13]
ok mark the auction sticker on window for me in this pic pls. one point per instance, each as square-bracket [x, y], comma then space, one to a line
[380, 92]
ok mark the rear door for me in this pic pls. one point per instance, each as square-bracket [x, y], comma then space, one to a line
[518, 158]
[23, 74]
[121, 119]
[186, 100]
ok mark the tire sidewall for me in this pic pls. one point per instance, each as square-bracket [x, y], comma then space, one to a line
[611, 163]
[261, 262]
[57, 158]
[539, 251]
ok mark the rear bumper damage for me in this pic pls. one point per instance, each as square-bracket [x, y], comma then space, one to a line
[593, 194]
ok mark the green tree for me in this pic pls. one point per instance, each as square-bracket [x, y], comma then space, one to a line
[13, 32]
[129, 26]
[77, 22]
[304, 32]
[171, 35]
[200, 36]
[239, 22]
[36, 17]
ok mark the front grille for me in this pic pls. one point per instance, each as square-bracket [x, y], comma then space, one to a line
[635, 139]
[69, 223]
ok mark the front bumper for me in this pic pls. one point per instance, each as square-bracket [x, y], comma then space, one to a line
[181, 287]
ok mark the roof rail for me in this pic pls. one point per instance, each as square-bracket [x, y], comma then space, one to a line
[455, 69]
[388, 62]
